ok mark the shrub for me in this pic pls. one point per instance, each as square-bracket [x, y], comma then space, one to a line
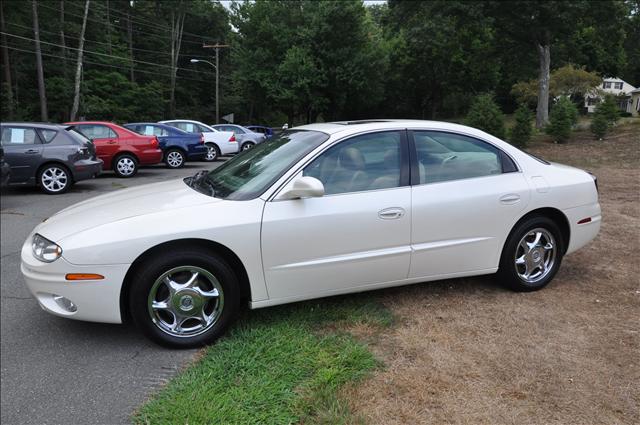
[563, 117]
[609, 108]
[485, 115]
[599, 124]
[521, 132]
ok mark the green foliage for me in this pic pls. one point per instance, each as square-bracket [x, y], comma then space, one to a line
[281, 365]
[485, 115]
[599, 124]
[609, 108]
[563, 116]
[521, 132]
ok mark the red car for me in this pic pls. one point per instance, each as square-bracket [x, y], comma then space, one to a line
[121, 149]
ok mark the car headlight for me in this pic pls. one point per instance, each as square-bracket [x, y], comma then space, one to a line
[45, 250]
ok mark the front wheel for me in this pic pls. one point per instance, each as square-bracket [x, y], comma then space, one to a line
[247, 145]
[184, 299]
[532, 255]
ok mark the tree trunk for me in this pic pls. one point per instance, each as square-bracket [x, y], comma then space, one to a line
[41, 89]
[177, 24]
[542, 111]
[76, 92]
[6, 65]
[108, 29]
[130, 42]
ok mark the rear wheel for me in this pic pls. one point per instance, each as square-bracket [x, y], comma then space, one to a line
[125, 166]
[213, 153]
[532, 255]
[184, 299]
[54, 179]
[175, 158]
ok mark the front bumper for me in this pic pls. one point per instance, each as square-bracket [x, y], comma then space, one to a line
[94, 300]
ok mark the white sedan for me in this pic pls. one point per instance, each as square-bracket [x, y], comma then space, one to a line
[321, 210]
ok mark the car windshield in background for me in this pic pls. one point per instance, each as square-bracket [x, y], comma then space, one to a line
[250, 173]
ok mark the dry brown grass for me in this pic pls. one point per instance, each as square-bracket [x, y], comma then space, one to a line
[466, 351]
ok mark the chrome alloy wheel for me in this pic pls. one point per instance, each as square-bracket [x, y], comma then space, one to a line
[54, 179]
[126, 166]
[247, 146]
[174, 159]
[535, 255]
[211, 153]
[185, 301]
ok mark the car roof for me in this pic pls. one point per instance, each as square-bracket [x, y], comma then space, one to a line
[349, 127]
[36, 124]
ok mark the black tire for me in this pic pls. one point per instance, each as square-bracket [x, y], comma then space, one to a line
[54, 179]
[213, 153]
[125, 165]
[247, 145]
[175, 158]
[511, 274]
[151, 272]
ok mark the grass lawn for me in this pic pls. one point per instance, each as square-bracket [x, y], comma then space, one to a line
[278, 365]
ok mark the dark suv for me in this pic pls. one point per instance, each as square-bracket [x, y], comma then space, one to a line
[48, 155]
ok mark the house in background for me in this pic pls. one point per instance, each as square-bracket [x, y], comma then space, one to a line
[635, 102]
[617, 87]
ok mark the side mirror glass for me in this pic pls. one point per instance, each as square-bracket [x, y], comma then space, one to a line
[303, 187]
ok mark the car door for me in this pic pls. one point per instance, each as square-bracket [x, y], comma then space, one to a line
[466, 196]
[104, 139]
[357, 234]
[23, 151]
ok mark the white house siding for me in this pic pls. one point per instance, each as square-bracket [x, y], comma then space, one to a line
[616, 87]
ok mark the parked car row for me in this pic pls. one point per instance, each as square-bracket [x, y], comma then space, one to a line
[54, 156]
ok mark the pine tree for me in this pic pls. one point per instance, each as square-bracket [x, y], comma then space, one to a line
[521, 132]
[485, 115]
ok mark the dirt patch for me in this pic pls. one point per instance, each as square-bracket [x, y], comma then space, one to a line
[467, 351]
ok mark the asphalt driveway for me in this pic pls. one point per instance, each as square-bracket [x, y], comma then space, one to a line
[59, 371]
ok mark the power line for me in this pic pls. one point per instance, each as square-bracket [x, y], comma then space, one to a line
[102, 54]
[100, 64]
[104, 43]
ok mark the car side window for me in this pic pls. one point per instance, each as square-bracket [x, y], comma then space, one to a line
[17, 136]
[97, 131]
[365, 162]
[446, 156]
[152, 130]
[200, 129]
[47, 134]
[238, 130]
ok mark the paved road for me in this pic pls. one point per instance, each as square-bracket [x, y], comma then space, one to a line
[59, 371]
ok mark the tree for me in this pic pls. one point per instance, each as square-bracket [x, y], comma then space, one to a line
[44, 116]
[599, 124]
[177, 26]
[485, 115]
[609, 109]
[563, 117]
[76, 91]
[521, 132]
[7, 88]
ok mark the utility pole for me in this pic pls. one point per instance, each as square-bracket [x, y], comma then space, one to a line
[216, 46]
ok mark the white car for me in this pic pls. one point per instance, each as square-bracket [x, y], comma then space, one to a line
[218, 142]
[323, 209]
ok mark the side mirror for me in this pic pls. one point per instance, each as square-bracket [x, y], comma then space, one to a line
[303, 187]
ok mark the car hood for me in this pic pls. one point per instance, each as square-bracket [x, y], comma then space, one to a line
[120, 205]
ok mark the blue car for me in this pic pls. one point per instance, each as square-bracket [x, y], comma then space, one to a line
[267, 131]
[178, 146]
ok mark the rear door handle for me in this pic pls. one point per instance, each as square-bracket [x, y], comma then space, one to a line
[391, 213]
[112, 142]
[509, 199]
[31, 151]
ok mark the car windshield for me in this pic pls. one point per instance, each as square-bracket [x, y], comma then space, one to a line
[250, 173]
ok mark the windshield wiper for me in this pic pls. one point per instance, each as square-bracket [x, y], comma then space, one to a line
[199, 178]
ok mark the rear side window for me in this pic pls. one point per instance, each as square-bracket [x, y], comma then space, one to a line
[47, 134]
[152, 130]
[97, 131]
[77, 136]
[186, 126]
[17, 136]
[448, 156]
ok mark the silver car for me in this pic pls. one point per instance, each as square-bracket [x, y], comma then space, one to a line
[245, 137]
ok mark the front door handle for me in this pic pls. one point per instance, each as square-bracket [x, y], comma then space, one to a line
[510, 199]
[392, 213]
[31, 151]
[111, 142]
